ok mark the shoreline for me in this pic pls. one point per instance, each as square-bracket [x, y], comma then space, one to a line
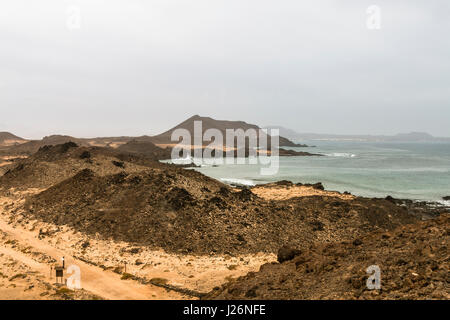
[250, 183]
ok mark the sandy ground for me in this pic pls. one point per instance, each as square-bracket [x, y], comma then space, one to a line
[10, 142]
[223, 148]
[112, 144]
[4, 161]
[172, 145]
[34, 246]
[23, 277]
[12, 157]
[284, 193]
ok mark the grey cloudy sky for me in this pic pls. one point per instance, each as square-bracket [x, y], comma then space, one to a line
[140, 66]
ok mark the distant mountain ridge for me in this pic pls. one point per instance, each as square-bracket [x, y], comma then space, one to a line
[27, 147]
[32, 146]
[7, 135]
[401, 137]
[8, 139]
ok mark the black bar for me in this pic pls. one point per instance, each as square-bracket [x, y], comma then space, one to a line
[222, 309]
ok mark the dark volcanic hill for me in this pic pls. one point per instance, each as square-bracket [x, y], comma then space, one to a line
[182, 210]
[210, 123]
[146, 148]
[33, 146]
[413, 262]
[52, 164]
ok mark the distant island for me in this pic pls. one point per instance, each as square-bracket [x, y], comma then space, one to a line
[401, 137]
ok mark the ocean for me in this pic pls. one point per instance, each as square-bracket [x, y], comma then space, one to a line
[418, 171]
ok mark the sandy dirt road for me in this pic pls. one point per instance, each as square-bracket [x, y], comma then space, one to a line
[31, 245]
[105, 284]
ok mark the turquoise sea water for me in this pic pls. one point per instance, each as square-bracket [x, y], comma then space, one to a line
[403, 170]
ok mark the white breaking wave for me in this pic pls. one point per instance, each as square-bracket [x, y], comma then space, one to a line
[341, 154]
[243, 182]
[444, 202]
[187, 160]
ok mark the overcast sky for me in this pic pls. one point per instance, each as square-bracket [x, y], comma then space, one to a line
[141, 66]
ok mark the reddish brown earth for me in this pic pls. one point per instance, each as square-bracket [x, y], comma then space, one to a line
[414, 262]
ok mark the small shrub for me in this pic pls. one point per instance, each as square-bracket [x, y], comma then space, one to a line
[119, 164]
[66, 146]
[85, 155]
[18, 276]
[126, 276]
[65, 293]
[64, 290]
[159, 281]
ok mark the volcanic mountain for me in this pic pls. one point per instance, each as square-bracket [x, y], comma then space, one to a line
[210, 123]
[146, 148]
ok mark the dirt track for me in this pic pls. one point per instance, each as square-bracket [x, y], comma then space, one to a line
[31, 247]
[105, 284]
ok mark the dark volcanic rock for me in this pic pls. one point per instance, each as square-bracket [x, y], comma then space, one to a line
[292, 153]
[286, 183]
[414, 264]
[224, 191]
[119, 164]
[147, 149]
[389, 198]
[85, 155]
[66, 146]
[421, 209]
[179, 198]
[245, 194]
[182, 210]
[316, 225]
[219, 202]
[287, 253]
[52, 164]
[318, 186]
[446, 198]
